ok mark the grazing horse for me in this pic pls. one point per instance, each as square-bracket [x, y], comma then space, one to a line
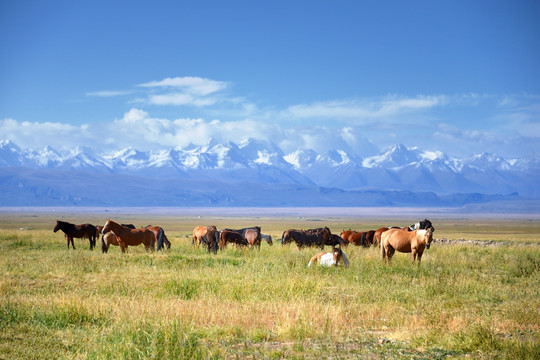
[268, 239]
[211, 238]
[364, 239]
[335, 241]
[345, 234]
[330, 259]
[311, 237]
[198, 233]
[253, 238]
[130, 237]
[243, 232]
[233, 237]
[77, 231]
[405, 241]
[161, 238]
[377, 236]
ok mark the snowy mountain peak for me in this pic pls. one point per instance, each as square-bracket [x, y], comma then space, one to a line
[397, 167]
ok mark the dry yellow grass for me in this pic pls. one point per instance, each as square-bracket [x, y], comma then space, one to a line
[462, 301]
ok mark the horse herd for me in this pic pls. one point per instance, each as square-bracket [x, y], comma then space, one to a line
[410, 239]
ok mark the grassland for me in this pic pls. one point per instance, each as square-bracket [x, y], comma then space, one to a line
[464, 301]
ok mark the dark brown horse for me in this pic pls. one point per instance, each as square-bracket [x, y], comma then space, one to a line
[311, 237]
[130, 237]
[77, 231]
[231, 237]
[211, 238]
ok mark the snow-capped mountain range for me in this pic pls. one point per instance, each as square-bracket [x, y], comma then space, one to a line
[397, 168]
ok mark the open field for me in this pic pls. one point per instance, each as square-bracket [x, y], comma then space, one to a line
[464, 301]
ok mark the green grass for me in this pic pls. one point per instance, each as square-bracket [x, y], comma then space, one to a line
[463, 301]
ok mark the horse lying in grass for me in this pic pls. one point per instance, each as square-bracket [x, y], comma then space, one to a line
[330, 259]
[405, 241]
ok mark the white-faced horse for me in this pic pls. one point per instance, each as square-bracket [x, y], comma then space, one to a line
[330, 259]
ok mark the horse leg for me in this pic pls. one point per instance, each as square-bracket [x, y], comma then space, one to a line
[70, 238]
[390, 252]
[419, 257]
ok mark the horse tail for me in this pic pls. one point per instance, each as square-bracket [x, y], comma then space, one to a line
[160, 239]
[345, 258]
[363, 239]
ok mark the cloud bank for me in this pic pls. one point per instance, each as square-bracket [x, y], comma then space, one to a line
[204, 108]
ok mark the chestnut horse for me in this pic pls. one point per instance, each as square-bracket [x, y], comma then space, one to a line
[345, 236]
[161, 238]
[330, 259]
[377, 236]
[130, 237]
[77, 231]
[198, 233]
[405, 241]
[364, 239]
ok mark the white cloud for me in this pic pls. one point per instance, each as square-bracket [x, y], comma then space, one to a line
[181, 99]
[359, 109]
[190, 84]
[108, 93]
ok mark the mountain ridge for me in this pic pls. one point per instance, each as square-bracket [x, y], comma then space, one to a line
[262, 164]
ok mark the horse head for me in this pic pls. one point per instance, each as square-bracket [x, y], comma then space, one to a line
[57, 226]
[337, 255]
[212, 236]
[429, 236]
[106, 227]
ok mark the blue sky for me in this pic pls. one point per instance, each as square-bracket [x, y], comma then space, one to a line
[456, 76]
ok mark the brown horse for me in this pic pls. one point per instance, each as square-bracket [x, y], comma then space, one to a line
[405, 241]
[253, 238]
[211, 238]
[228, 237]
[161, 238]
[345, 236]
[198, 233]
[377, 236]
[130, 237]
[77, 231]
[364, 239]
